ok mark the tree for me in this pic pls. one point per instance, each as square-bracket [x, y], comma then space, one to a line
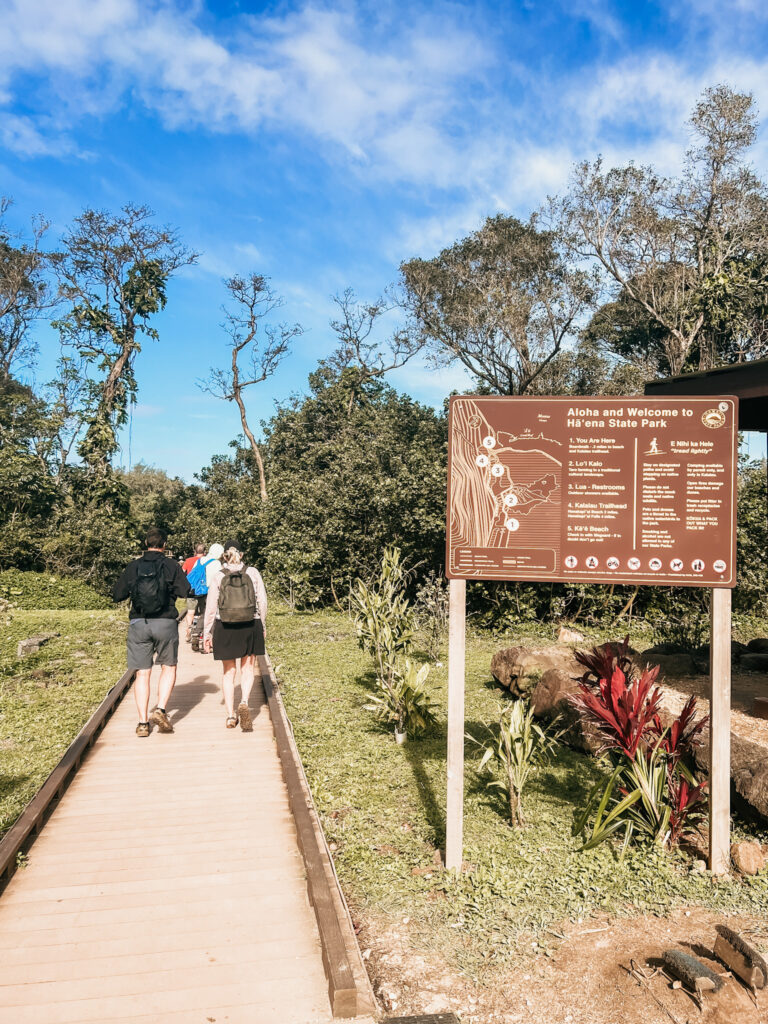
[344, 486]
[28, 491]
[502, 302]
[254, 300]
[153, 496]
[666, 243]
[24, 292]
[357, 356]
[113, 273]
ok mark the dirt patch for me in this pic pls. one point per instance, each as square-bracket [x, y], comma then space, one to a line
[578, 974]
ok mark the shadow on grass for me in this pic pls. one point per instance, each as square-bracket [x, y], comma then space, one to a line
[434, 811]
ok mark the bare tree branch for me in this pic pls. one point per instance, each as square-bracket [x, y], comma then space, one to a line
[261, 346]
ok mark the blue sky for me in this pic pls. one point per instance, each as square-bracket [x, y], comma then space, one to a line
[321, 144]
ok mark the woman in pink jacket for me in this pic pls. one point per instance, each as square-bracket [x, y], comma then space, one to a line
[233, 641]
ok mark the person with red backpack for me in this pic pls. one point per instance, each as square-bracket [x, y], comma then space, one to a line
[186, 567]
[235, 627]
[153, 582]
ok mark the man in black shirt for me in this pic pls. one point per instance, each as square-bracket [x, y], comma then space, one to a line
[153, 582]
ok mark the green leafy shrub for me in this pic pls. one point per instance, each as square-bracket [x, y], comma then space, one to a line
[33, 590]
[405, 702]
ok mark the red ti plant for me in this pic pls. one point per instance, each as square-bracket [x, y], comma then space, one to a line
[682, 735]
[622, 710]
[601, 662]
[654, 785]
[687, 806]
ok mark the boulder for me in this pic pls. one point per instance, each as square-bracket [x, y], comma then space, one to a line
[748, 858]
[518, 669]
[33, 644]
[673, 664]
[701, 655]
[554, 687]
[757, 662]
[569, 636]
[508, 669]
[749, 771]
[759, 645]
[550, 699]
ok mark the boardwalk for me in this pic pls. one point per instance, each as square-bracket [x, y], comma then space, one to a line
[167, 885]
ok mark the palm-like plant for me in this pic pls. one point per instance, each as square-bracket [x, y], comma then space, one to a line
[518, 746]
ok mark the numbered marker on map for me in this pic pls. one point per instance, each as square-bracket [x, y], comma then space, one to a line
[497, 470]
[482, 461]
[510, 500]
[489, 442]
[512, 525]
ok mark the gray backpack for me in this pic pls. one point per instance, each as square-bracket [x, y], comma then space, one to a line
[237, 598]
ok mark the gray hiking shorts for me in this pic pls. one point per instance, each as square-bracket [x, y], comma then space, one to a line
[147, 637]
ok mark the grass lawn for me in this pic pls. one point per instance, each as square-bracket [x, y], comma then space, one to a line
[382, 807]
[46, 698]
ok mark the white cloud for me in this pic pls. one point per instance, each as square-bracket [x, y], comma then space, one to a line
[415, 102]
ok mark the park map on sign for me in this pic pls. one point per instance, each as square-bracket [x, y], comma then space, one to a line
[604, 490]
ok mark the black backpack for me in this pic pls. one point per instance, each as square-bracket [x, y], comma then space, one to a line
[237, 597]
[149, 592]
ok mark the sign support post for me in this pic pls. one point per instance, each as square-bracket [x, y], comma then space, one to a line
[720, 732]
[454, 817]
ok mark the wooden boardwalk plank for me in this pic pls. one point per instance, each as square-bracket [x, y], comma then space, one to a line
[167, 884]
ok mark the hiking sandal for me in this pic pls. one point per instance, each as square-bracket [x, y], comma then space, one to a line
[232, 722]
[244, 713]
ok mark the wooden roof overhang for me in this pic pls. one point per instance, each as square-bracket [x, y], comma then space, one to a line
[747, 381]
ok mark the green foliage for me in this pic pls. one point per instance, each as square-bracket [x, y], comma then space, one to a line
[404, 701]
[431, 608]
[28, 490]
[38, 590]
[751, 593]
[346, 481]
[518, 747]
[384, 619]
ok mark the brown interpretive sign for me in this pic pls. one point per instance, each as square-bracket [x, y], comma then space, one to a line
[594, 490]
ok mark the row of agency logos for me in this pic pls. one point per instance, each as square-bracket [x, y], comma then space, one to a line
[654, 564]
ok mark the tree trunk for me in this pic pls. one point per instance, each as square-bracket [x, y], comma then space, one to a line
[253, 444]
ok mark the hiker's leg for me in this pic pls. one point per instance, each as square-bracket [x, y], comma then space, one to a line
[228, 686]
[246, 676]
[141, 693]
[166, 684]
[166, 636]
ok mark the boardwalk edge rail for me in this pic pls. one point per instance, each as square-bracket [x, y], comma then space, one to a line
[348, 986]
[34, 815]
